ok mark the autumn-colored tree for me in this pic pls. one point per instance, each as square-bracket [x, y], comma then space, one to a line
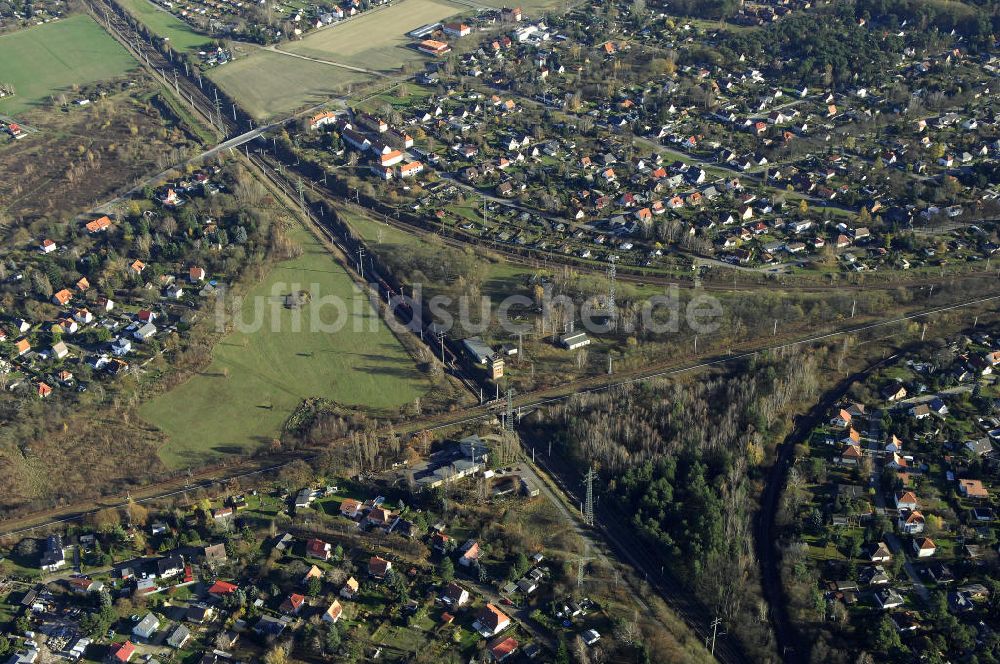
[105, 520]
[137, 514]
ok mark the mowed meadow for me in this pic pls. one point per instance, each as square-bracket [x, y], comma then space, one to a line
[377, 39]
[257, 378]
[270, 82]
[267, 84]
[182, 37]
[49, 59]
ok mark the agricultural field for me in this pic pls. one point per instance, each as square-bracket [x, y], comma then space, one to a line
[52, 58]
[376, 39]
[180, 35]
[267, 84]
[257, 378]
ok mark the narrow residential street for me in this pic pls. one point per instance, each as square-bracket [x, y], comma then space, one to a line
[897, 547]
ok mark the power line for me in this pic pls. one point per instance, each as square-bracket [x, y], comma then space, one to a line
[715, 632]
[361, 261]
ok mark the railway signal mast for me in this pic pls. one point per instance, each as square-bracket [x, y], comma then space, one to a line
[509, 412]
[588, 507]
[612, 306]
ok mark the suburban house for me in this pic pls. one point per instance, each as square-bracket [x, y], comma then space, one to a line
[146, 627]
[350, 508]
[198, 613]
[888, 598]
[169, 566]
[457, 29]
[455, 595]
[178, 637]
[59, 350]
[470, 553]
[62, 297]
[878, 553]
[379, 517]
[144, 332]
[215, 553]
[292, 604]
[316, 548]
[98, 225]
[350, 588]
[851, 455]
[220, 588]
[121, 652]
[910, 522]
[121, 347]
[841, 419]
[980, 447]
[313, 573]
[332, 614]
[378, 567]
[924, 547]
[906, 500]
[490, 621]
[322, 119]
[972, 489]
[410, 169]
[84, 586]
[893, 392]
[53, 557]
[502, 648]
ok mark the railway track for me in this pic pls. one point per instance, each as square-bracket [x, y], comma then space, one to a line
[201, 95]
[529, 400]
[677, 597]
[549, 260]
[448, 349]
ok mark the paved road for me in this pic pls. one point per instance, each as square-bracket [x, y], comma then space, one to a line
[765, 536]
[924, 398]
[875, 441]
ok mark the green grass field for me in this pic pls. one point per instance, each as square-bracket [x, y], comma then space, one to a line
[534, 8]
[51, 58]
[256, 379]
[161, 22]
[377, 39]
[502, 278]
[267, 84]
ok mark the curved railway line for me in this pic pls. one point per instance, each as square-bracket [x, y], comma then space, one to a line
[193, 92]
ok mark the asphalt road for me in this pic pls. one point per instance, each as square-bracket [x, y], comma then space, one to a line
[766, 537]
